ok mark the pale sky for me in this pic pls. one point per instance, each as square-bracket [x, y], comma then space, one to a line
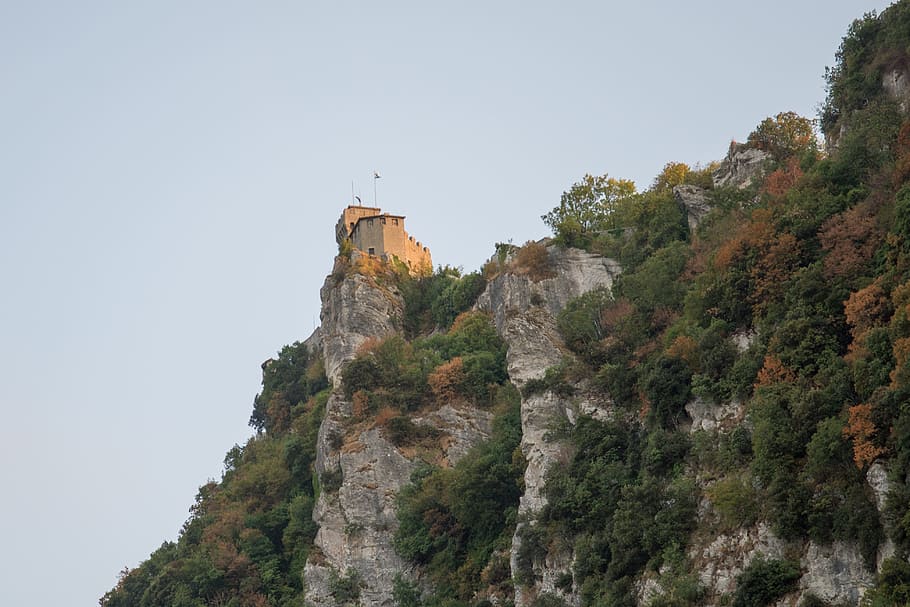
[171, 172]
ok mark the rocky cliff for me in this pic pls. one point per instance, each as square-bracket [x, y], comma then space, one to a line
[361, 471]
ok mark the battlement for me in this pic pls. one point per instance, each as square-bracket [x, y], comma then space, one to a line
[382, 235]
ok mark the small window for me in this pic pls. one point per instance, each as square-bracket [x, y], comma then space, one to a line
[394, 222]
[371, 251]
[382, 220]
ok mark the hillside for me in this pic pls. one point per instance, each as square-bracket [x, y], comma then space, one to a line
[696, 394]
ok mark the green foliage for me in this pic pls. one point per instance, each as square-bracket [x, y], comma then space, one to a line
[892, 586]
[654, 284]
[764, 581]
[249, 535]
[345, 589]
[287, 381]
[650, 221]
[614, 498]
[667, 386]
[785, 135]
[580, 322]
[435, 301]
[872, 44]
[405, 593]
[735, 502]
[589, 206]
[453, 519]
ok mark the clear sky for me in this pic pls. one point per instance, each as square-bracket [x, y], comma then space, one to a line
[171, 172]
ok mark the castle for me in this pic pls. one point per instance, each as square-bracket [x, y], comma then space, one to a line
[381, 234]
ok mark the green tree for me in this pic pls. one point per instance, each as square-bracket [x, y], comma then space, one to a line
[784, 135]
[588, 206]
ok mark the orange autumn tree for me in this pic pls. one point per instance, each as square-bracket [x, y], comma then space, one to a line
[850, 239]
[447, 380]
[861, 431]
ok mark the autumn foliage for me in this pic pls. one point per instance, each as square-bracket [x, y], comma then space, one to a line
[861, 431]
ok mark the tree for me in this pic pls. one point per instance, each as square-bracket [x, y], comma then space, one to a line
[588, 206]
[673, 174]
[785, 135]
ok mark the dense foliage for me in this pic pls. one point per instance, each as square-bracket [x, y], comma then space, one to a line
[794, 295]
[458, 522]
[248, 535]
[790, 304]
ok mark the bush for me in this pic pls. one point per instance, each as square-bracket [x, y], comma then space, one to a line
[345, 589]
[667, 387]
[735, 502]
[764, 581]
[533, 260]
[892, 586]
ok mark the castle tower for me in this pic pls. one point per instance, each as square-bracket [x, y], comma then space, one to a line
[373, 232]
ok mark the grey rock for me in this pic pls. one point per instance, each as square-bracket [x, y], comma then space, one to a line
[524, 313]
[693, 200]
[877, 477]
[896, 84]
[353, 310]
[835, 573]
[358, 520]
[742, 166]
[465, 427]
[706, 415]
[725, 557]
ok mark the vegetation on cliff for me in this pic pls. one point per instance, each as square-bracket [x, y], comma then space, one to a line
[785, 314]
[249, 535]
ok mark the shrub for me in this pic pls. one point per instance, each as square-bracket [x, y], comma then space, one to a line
[667, 387]
[533, 260]
[735, 502]
[345, 589]
[892, 586]
[764, 581]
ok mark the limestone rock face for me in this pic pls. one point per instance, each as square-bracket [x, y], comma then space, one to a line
[835, 573]
[360, 471]
[354, 309]
[524, 313]
[706, 415]
[897, 85]
[357, 520]
[722, 560]
[693, 200]
[742, 166]
[877, 477]
[355, 513]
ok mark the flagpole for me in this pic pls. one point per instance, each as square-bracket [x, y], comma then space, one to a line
[376, 177]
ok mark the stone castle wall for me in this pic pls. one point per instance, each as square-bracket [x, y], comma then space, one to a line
[381, 234]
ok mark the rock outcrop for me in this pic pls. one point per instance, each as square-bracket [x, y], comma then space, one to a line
[524, 313]
[360, 471]
[896, 83]
[742, 166]
[694, 202]
[354, 309]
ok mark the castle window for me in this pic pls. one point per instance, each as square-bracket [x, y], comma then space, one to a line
[371, 251]
[370, 221]
[394, 222]
[382, 220]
